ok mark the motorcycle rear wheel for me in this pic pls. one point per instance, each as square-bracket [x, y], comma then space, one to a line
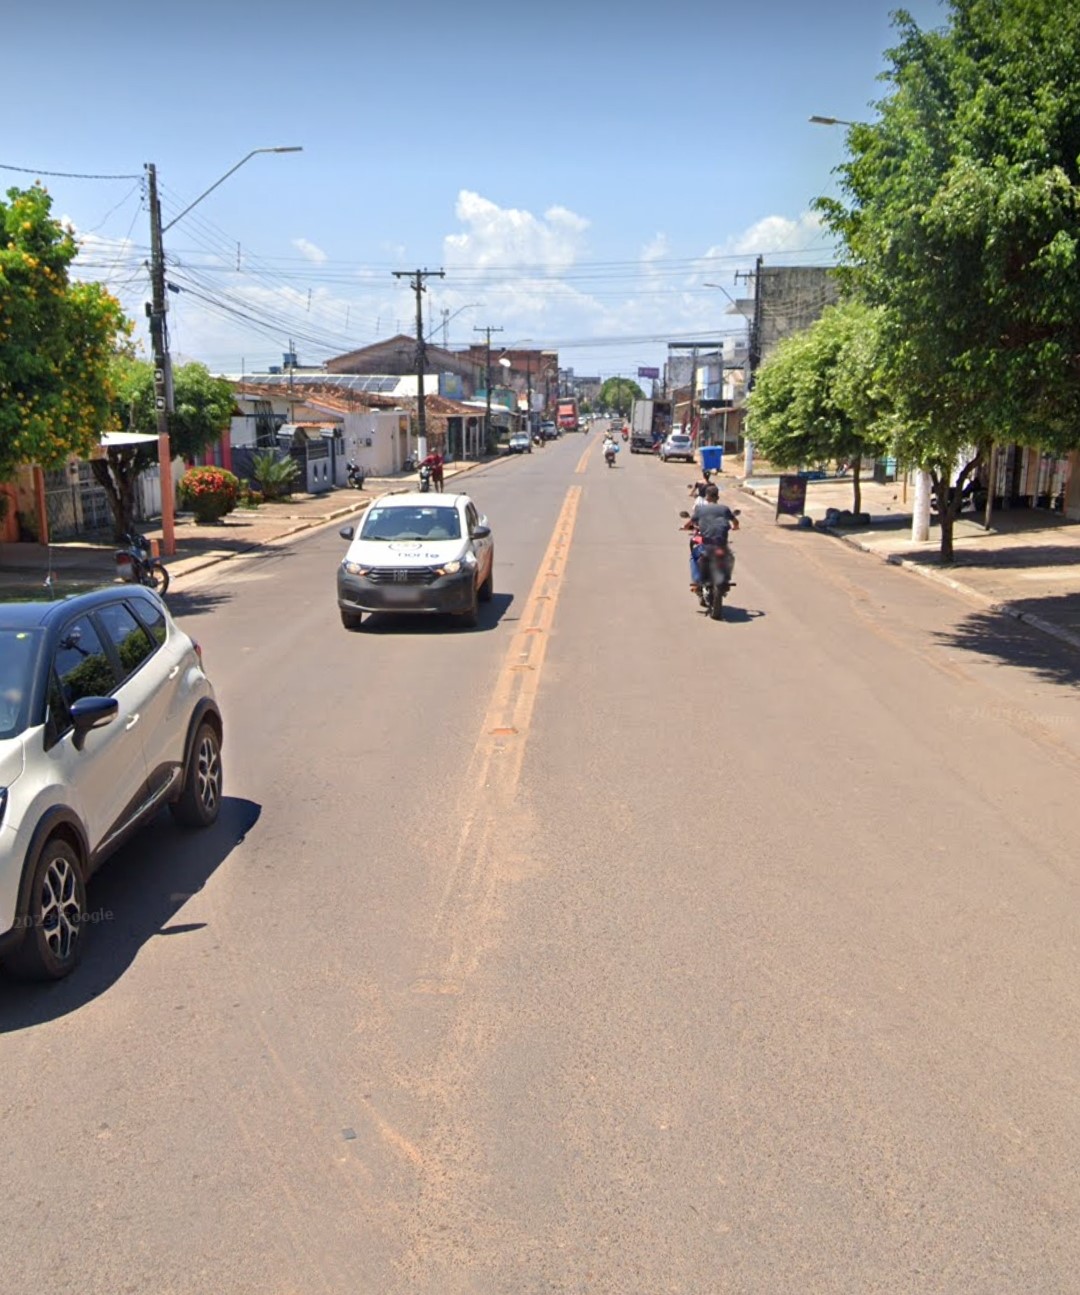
[157, 578]
[716, 603]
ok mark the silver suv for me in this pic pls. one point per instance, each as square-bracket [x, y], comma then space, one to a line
[106, 714]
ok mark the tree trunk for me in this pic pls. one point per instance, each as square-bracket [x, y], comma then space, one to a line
[856, 484]
[117, 474]
[946, 515]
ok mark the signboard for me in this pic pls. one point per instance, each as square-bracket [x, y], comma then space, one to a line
[791, 496]
[649, 373]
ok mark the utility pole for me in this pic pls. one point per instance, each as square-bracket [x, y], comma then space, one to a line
[417, 285]
[528, 394]
[162, 377]
[754, 355]
[487, 330]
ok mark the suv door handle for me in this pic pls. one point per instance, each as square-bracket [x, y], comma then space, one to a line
[174, 672]
[132, 721]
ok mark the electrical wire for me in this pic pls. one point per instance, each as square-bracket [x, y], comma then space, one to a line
[65, 175]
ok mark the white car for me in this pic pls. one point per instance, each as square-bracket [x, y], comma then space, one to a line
[417, 553]
[677, 446]
[106, 714]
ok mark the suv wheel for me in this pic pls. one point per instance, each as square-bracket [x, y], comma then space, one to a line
[200, 800]
[351, 620]
[52, 943]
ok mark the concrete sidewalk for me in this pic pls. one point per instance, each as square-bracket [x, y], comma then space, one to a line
[28, 570]
[1026, 566]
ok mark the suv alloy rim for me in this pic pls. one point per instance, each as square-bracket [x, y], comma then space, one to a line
[60, 914]
[208, 772]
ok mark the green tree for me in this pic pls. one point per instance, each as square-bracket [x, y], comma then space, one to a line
[820, 396]
[57, 340]
[961, 221]
[619, 394]
[203, 407]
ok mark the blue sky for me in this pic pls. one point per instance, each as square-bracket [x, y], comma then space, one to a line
[580, 171]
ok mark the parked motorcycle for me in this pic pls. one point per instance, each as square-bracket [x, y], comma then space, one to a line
[425, 478]
[355, 475]
[136, 564]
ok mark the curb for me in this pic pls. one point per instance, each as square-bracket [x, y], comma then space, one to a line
[928, 573]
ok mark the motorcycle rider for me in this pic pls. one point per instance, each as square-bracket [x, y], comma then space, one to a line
[711, 521]
[610, 445]
[434, 461]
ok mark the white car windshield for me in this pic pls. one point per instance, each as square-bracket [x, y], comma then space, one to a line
[411, 524]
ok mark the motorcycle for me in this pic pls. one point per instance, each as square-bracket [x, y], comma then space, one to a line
[355, 476]
[136, 564]
[609, 458]
[625, 434]
[425, 478]
[715, 563]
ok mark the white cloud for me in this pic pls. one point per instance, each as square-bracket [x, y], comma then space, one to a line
[775, 234]
[655, 249]
[309, 250]
[507, 236]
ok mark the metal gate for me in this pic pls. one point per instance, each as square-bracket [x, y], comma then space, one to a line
[74, 503]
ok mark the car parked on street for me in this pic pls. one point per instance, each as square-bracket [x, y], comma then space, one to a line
[106, 714]
[519, 443]
[417, 553]
[677, 446]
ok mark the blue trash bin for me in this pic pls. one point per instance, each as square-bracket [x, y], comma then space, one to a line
[712, 458]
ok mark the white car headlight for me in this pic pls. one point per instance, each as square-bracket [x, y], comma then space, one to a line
[353, 568]
[450, 568]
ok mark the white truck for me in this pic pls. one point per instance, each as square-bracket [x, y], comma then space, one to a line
[650, 422]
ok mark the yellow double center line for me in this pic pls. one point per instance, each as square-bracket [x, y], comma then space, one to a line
[494, 772]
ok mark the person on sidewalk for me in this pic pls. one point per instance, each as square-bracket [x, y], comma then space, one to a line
[434, 461]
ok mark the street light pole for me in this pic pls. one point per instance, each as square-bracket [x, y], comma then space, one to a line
[159, 338]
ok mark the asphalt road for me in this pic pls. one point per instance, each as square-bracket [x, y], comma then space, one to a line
[601, 949]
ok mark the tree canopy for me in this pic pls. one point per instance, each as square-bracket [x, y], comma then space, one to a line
[203, 406]
[57, 340]
[619, 394]
[202, 403]
[960, 221]
[820, 396]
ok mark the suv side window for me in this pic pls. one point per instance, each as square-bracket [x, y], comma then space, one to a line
[133, 644]
[153, 618]
[81, 664]
[472, 517]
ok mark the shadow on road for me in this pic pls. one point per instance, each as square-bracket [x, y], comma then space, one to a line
[196, 603]
[393, 623]
[1012, 643]
[1018, 555]
[133, 899]
[740, 615]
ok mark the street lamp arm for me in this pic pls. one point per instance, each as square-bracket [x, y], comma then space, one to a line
[472, 305]
[834, 121]
[295, 148]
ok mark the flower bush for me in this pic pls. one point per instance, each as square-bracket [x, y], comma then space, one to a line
[209, 492]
